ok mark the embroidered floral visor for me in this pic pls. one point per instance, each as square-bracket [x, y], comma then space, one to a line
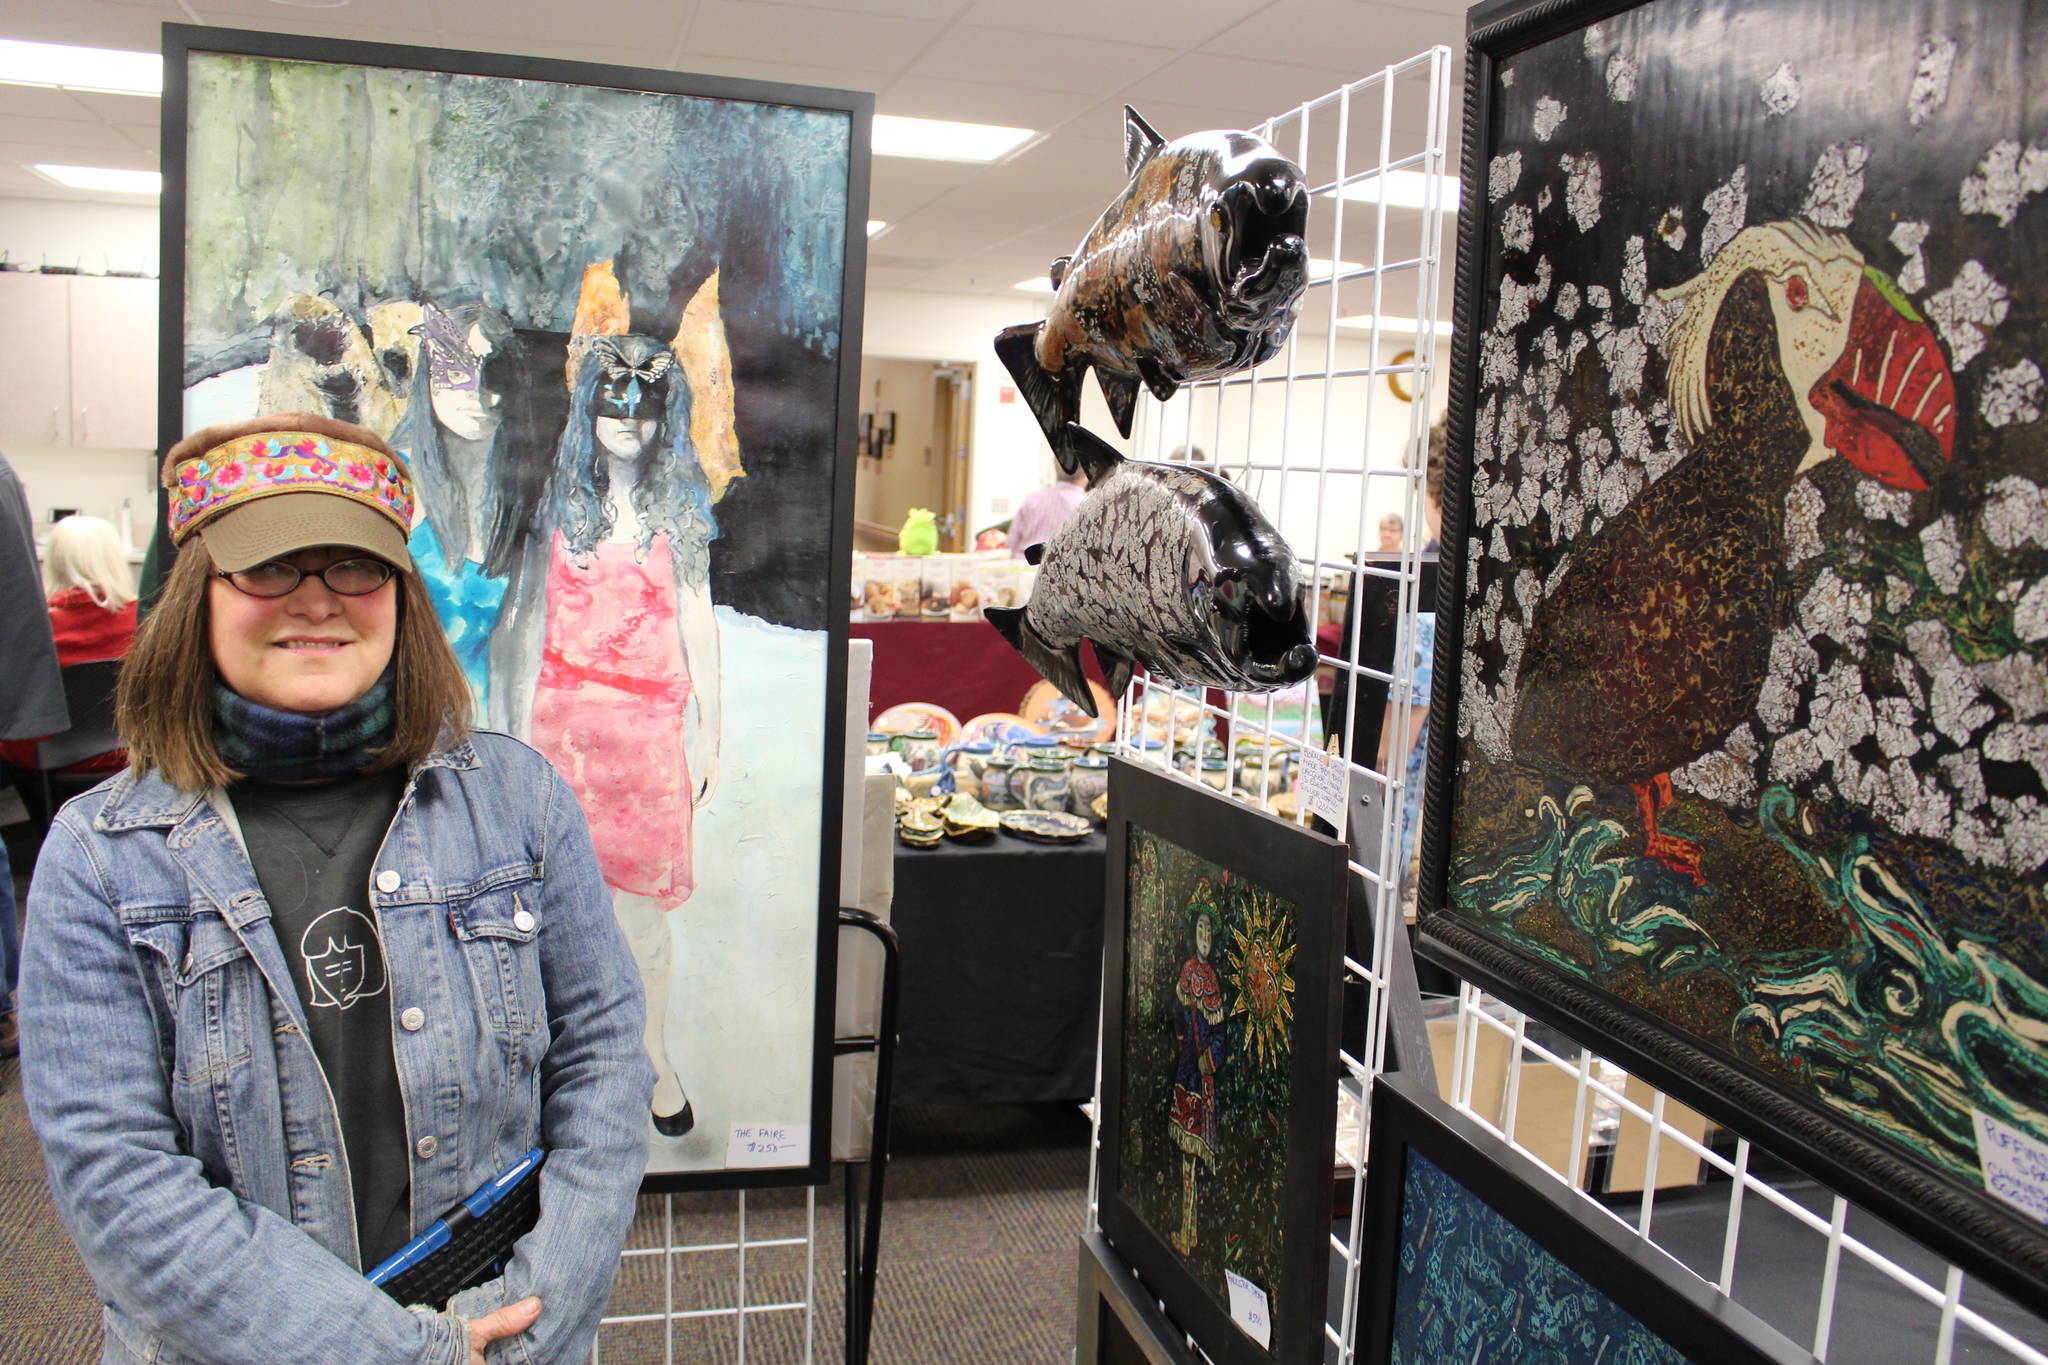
[266, 494]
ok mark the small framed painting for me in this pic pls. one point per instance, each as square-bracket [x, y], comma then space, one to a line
[1223, 944]
[1481, 1254]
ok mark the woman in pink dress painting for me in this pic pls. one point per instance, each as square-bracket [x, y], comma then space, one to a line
[623, 692]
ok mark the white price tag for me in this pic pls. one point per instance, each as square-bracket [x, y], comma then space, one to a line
[2015, 1165]
[768, 1144]
[1248, 1309]
[1325, 782]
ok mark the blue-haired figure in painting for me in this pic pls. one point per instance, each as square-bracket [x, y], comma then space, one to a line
[451, 432]
[1198, 1026]
[609, 659]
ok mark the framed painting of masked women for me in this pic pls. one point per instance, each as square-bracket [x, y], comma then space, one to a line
[610, 317]
[1745, 778]
[1223, 945]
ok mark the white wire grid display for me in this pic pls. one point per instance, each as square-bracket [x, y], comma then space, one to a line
[1323, 444]
[676, 1309]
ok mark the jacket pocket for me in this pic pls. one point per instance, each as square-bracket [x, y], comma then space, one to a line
[498, 930]
[206, 980]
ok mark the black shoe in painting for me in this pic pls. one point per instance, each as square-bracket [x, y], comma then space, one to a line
[676, 1124]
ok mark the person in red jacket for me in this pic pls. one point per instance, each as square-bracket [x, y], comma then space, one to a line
[91, 593]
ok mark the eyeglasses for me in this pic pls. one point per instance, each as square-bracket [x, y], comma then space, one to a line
[275, 578]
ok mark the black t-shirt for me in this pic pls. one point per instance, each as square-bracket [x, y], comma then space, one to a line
[313, 846]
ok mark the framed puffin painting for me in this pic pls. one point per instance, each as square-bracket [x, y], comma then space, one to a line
[611, 319]
[1745, 776]
[1223, 945]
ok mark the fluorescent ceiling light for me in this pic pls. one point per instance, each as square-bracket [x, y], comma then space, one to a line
[875, 225]
[1393, 326]
[103, 178]
[938, 140]
[81, 68]
[1037, 284]
[1402, 189]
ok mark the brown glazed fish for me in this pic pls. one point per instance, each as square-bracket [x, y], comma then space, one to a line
[1167, 566]
[1194, 271]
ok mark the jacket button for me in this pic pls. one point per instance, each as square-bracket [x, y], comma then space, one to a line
[387, 881]
[523, 921]
[413, 1019]
[426, 1147]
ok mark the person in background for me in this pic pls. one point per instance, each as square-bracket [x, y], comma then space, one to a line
[32, 702]
[323, 961]
[1413, 732]
[1040, 514]
[92, 616]
[1391, 527]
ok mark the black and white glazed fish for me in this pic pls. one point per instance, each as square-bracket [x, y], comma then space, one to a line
[1194, 271]
[1167, 566]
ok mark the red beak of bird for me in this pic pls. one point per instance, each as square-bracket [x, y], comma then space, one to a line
[1890, 401]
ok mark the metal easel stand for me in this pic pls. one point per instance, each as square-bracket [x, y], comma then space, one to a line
[864, 1233]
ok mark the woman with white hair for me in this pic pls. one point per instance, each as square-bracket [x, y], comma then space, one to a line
[91, 593]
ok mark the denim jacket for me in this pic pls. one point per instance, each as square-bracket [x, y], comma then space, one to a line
[191, 1139]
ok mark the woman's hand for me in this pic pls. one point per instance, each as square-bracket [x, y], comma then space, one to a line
[508, 1321]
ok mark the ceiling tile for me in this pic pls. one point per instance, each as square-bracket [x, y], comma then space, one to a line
[88, 23]
[36, 102]
[1307, 32]
[1046, 61]
[1250, 91]
[938, 11]
[123, 111]
[1187, 23]
[652, 29]
[821, 37]
[1013, 106]
[119, 159]
[64, 134]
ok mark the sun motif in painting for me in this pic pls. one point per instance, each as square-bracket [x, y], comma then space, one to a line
[1261, 958]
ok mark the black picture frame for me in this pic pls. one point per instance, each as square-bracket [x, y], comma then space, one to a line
[1948, 1211]
[1675, 1306]
[1115, 1321]
[1308, 872]
[827, 513]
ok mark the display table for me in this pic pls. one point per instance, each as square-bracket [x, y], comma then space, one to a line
[1002, 970]
[966, 667]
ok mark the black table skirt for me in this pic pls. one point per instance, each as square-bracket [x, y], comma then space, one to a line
[1002, 971]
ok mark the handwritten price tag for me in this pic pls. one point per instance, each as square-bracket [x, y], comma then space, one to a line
[1248, 1309]
[1324, 783]
[768, 1144]
[2015, 1165]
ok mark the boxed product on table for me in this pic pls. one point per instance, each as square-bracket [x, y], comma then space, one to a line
[935, 575]
[877, 579]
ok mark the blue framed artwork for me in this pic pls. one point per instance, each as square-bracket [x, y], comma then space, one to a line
[1476, 1253]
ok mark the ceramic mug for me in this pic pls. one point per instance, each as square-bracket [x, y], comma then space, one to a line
[1024, 748]
[1215, 773]
[1045, 784]
[997, 792]
[967, 764]
[878, 742]
[1090, 779]
[920, 748]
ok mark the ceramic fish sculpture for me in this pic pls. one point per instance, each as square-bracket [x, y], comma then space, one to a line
[1167, 566]
[1194, 271]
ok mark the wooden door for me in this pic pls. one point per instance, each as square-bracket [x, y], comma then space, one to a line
[113, 362]
[35, 359]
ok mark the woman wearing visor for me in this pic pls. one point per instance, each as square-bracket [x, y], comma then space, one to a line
[323, 961]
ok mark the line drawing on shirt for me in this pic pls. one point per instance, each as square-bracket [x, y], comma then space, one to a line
[350, 963]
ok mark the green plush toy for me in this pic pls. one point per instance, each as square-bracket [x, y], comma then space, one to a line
[920, 533]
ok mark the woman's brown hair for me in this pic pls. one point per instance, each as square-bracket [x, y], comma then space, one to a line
[163, 704]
